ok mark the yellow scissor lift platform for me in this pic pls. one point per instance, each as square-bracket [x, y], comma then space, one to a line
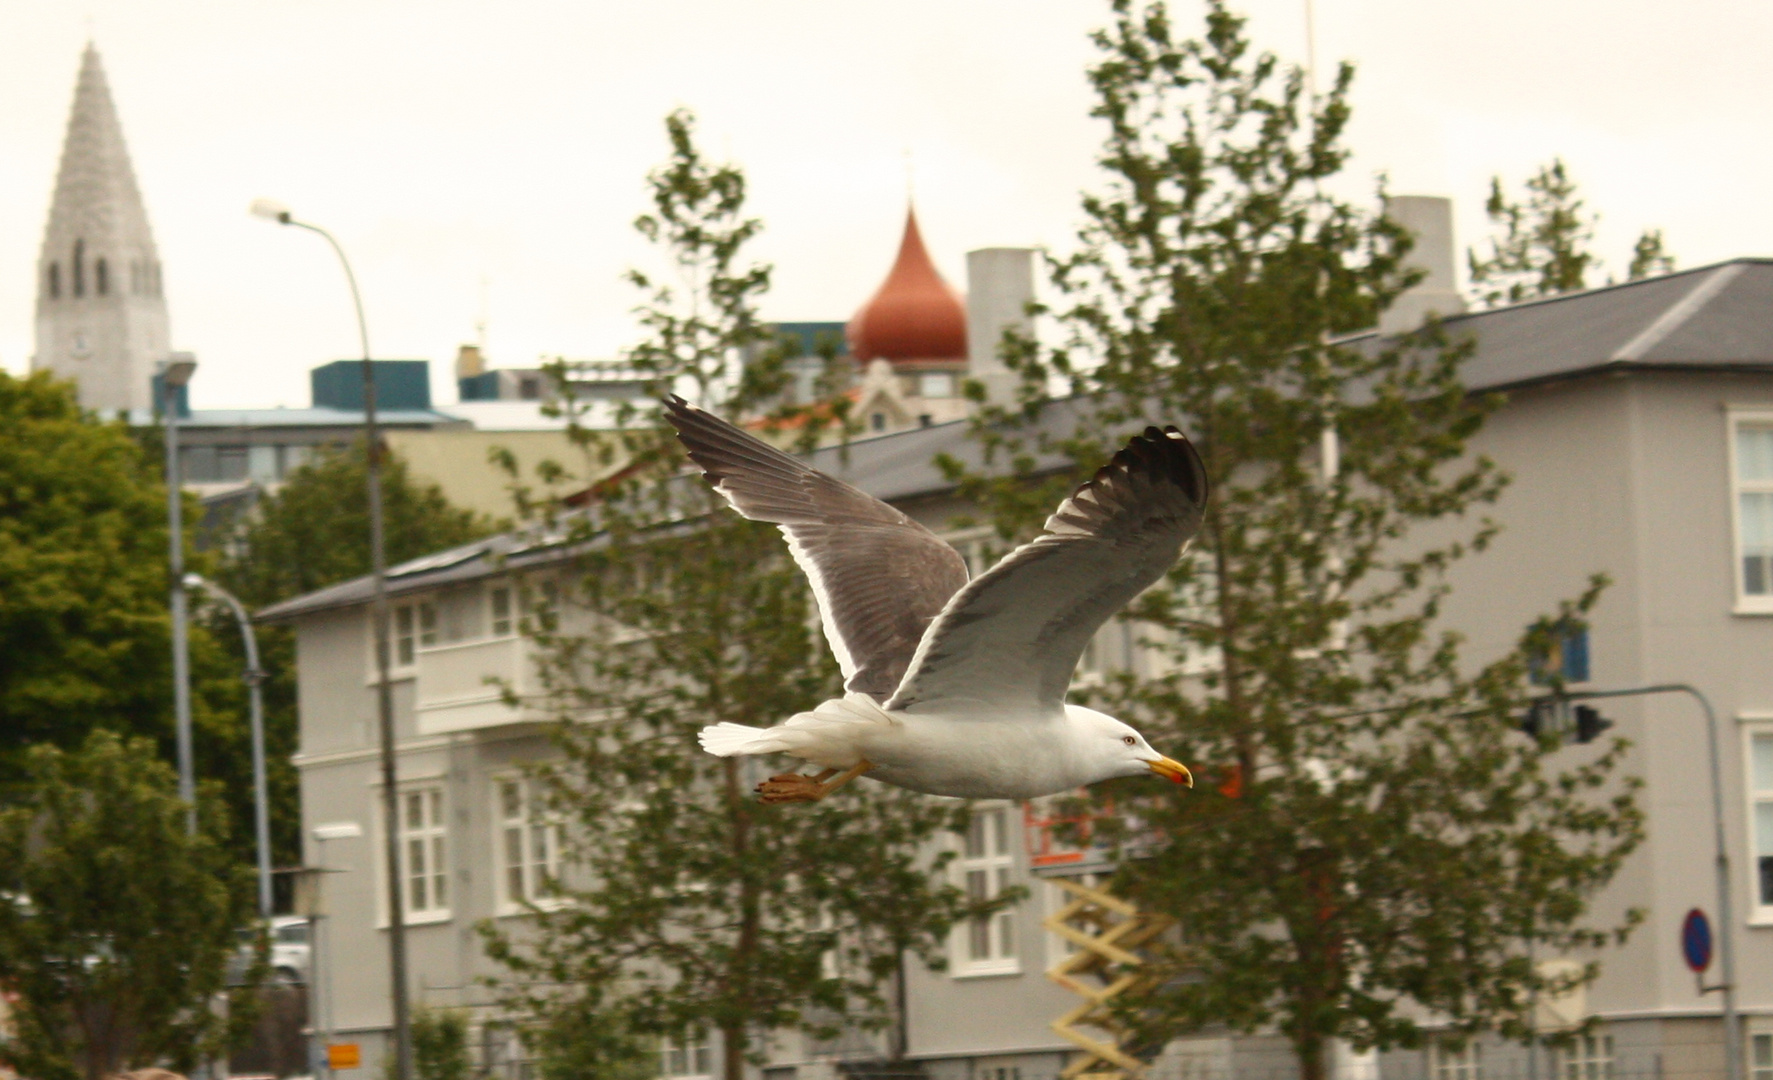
[1108, 932]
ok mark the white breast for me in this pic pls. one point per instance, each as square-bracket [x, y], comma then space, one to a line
[973, 758]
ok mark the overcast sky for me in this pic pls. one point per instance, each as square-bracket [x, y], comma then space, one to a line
[487, 159]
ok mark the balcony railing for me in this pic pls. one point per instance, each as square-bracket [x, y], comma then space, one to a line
[461, 686]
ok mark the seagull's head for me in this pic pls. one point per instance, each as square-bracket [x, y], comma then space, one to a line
[1115, 749]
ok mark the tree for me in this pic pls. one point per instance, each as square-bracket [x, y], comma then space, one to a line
[1649, 257]
[1542, 246]
[311, 533]
[83, 608]
[84, 623]
[1375, 843]
[690, 906]
[117, 926]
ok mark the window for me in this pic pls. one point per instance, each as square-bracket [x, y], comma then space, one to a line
[55, 281]
[935, 384]
[1761, 798]
[1458, 1063]
[529, 845]
[424, 853]
[1760, 1057]
[1589, 1058]
[1566, 658]
[877, 421]
[415, 627]
[79, 268]
[987, 944]
[261, 464]
[686, 1055]
[101, 277]
[1753, 454]
[499, 600]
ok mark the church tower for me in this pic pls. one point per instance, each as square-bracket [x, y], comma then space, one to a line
[101, 315]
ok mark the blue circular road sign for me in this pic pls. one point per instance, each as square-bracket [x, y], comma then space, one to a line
[1696, 940]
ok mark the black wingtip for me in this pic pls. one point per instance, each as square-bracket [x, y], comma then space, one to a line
[1167, 452]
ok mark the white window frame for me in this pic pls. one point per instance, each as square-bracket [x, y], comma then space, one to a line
[1736, 419]
[434, 834]
[1590, 1057]
[1465, 1063]
[497, 595]
[1760, 1055]
[530, 826]
[412, 624]
[688, 1056]
[1760, 911]
[995, 862]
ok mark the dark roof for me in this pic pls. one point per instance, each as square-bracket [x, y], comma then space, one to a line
[505, 552]
[893, 467]
[1710, 317]
[1717, 317]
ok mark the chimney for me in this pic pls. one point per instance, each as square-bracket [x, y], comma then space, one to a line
[1000, 286]
[469, 362]
[1429, 219]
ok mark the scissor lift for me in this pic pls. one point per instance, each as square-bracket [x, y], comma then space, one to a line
[1108, 932]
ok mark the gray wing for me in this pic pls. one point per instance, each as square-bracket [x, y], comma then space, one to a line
[879, 577]
[1010, 640]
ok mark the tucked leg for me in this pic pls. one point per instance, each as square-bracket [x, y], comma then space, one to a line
[793, 787]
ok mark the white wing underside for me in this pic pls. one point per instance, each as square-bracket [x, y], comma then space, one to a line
[1009, 641]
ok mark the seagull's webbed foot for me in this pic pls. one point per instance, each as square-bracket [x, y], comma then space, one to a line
[793, 787]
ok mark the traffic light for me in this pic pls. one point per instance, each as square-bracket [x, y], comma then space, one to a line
[1540, 717]
[1590, 723]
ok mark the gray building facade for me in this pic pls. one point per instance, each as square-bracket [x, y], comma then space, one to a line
[1638, 427]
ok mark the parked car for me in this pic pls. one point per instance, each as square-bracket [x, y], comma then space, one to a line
[291, 952]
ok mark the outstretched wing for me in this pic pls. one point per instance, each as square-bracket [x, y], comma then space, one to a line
[879, 577]
[1010, 640]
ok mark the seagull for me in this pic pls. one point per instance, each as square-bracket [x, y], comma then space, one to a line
[956, 687]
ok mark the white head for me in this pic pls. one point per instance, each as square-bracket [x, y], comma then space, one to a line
[1107, 748]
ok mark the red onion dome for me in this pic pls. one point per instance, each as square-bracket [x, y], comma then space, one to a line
[914, 315]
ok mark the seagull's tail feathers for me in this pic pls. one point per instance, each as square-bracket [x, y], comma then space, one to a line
[730, 740]
[825, 736]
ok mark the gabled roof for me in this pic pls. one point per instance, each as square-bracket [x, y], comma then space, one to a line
[1717, 317]
[1710, 317]
[892, 467]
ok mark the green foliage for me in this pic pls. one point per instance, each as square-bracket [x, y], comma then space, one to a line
[689, 904]
[1370, 841]
[1542, 244]
[1649, 257]
[313, 532]
[572, 1036]
[83, 593]
[439, 1046]
[117, 925]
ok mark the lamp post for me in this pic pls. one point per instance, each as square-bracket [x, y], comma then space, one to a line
[274, 211]
[254, 677]
[175, 374]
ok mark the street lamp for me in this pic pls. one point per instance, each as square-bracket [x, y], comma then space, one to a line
[254, 677]
[275, 211]
[175, 374]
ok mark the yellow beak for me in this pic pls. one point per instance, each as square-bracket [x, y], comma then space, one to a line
[1172, 770]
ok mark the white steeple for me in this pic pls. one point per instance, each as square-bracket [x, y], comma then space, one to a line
[101, 315]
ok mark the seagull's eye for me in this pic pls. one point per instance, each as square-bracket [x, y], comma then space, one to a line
[1129, 740]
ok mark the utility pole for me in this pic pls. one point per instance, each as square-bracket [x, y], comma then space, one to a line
[175, 374]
